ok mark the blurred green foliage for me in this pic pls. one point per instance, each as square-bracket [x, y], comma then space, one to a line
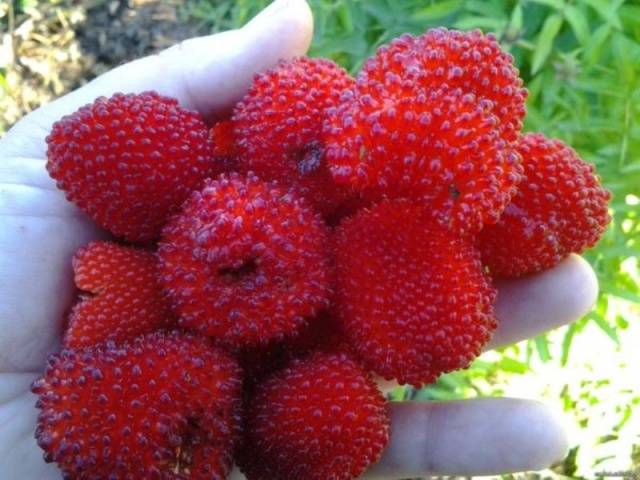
[580, 60]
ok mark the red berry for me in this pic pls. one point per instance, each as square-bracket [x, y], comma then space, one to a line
[164, 406]
[421, 123]
[320, 418]
[412, 297]
[278, 127]
[346, 209]
[224, 145]
[321, 333]
[123, 298]
[130, 160]
[560, 208]
[471, 61]
[245, 262]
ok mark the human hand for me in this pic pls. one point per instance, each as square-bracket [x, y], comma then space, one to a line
[40, 230]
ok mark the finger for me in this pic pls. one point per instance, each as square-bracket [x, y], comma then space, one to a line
[532, 305]
[20, 456]
[14, 385]
[24, 171]
[470, 437]
[209, 74]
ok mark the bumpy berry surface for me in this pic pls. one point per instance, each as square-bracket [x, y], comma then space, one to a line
[123, 298]
[347, 208]
[320, 418]
[471, 61]
[164, 406]
[245, 262]
[412, 297]
[130, 160]
[428, 120]
[278, 127]
[322, 333]
[560, 208]
[224, 146]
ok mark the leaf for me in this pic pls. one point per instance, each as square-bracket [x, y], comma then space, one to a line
[542, 347]
[604, 326]
[607, 10]
[566, 343]
[596, 44]
[630, 13]
[435, 392]
[621, 293]
[622, 250]
[490, 24]
[452, 381]
[621, 322]
[578, 22]
[482, 366]
[597, 85]
[631, 168]
[545, 40]
[398, 394]
[556, 4]
[490, 9]
[627, 54]
[437, 10]
[344, 15]
[512, 365]
[380, 12]
[516, 18]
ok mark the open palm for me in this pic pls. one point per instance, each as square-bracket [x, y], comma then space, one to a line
[40, 231]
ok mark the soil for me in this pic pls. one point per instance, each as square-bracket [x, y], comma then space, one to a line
[48, 50]
[119, 31]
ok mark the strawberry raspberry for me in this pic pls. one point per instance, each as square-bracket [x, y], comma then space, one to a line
[224, 146]
[470, 61]
[560, 208]
[123, 298]
[322, 417]
[322, 333]
[245, 262]
[278, 127]
[163, 406]
[428, 120]
[412, 297]
[130, 160]
[440, 148]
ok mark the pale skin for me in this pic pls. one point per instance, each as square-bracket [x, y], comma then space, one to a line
[40, 230]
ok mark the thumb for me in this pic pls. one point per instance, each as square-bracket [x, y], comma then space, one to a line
[209, 74]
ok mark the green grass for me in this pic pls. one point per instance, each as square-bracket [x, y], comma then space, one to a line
[581, 63]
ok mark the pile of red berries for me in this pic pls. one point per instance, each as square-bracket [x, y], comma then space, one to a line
[331, 229]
